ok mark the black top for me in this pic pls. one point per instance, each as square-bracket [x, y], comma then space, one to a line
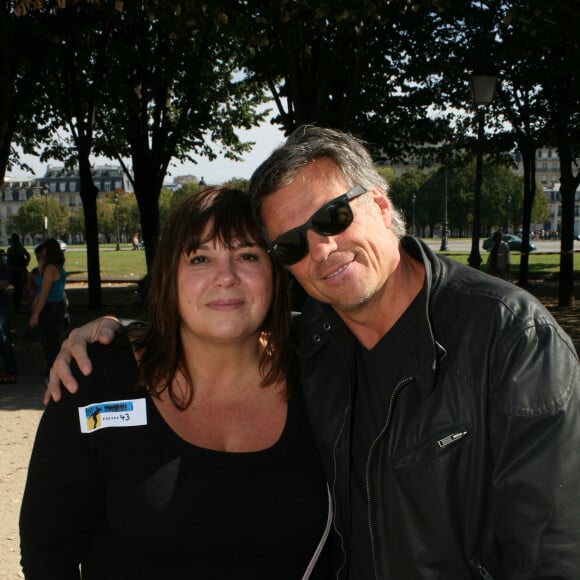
[136, 501]
[377, 371]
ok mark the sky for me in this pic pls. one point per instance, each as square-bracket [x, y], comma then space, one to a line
[266, 138]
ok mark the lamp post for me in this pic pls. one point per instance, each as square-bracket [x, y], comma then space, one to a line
[483, 88]
[413, 216]
[45, 191]
[117, 221]
[445, 232]
[508, 199]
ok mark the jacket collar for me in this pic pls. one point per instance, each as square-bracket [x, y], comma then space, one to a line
[320, 324]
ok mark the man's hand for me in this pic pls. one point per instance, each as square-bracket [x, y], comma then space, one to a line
[102, 330]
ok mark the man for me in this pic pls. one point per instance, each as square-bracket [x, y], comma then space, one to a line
[498, 261]
[17, 258]
[445, 402]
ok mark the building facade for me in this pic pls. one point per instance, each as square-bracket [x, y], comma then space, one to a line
[60, 184]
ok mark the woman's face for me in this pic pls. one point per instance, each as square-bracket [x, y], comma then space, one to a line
[224, 294]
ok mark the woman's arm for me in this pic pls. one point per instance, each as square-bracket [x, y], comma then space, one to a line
[63, 498]
[49, 275]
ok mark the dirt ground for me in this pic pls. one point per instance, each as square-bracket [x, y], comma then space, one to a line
[21, 404]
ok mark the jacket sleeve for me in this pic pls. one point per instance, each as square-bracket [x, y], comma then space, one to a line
[63, 496]
[535, 446]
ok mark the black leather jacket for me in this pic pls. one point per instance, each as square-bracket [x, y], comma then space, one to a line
[476, 470]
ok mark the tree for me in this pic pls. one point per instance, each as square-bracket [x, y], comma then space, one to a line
[341, 65]
[172, 82]
[405, 192]
[22, 62]
[29, 220]
[78, 65]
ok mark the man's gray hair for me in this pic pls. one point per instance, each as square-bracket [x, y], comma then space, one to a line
[308, 143]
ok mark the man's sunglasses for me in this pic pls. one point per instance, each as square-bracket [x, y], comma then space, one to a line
[331, 219]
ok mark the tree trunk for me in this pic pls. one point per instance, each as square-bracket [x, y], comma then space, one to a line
[528, 158]
[568, 187]
[88, 193]
[147, 190]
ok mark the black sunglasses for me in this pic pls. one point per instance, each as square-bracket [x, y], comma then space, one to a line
[331, 219]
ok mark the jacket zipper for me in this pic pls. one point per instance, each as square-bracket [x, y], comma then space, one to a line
[334, 462]
[402, 383]
[483, 571]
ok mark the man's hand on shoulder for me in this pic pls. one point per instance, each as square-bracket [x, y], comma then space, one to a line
[102, 330]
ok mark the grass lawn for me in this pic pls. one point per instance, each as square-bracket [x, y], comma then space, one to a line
[545, 266]
[124, 264]
[130, 265]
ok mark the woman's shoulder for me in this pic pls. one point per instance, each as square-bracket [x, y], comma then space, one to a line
[114, 371]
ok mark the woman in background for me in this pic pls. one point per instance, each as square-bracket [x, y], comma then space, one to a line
[48, 312]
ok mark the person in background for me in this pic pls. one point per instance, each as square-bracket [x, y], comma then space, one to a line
[189, 453]
[17, 258]
[10, 374]
[444, 402]
[31, 287]
[48, 312]
[498, 261]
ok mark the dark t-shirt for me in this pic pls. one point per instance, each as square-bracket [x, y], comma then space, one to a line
[377, 373]
[17, 256]
[137, 502]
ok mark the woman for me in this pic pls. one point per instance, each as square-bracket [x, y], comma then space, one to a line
[48, 312]
[187, 453]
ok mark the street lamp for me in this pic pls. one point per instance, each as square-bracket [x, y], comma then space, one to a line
[482, 88]
[445, 232]
[45, 191]
[508, 199]
[117, 220]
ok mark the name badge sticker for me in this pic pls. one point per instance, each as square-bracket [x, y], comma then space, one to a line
[131, 413]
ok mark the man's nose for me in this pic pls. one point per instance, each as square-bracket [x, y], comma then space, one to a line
[319, 246]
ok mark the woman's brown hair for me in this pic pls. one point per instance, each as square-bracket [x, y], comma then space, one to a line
[53, 254]
[229, 213]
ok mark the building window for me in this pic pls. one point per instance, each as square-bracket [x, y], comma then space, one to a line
[62, 186]
[9, 210]
[61, 200]
[52, 187]
[544, 178]
[72, 186]
[118, 185]
[539, 153]
[71, 201]
[107, 186]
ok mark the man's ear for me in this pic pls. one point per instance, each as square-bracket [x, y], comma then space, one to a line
[381, 199]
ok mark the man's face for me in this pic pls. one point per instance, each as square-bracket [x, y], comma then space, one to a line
[347, 269]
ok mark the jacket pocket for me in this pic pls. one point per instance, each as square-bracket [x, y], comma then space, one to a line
[438, 445]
